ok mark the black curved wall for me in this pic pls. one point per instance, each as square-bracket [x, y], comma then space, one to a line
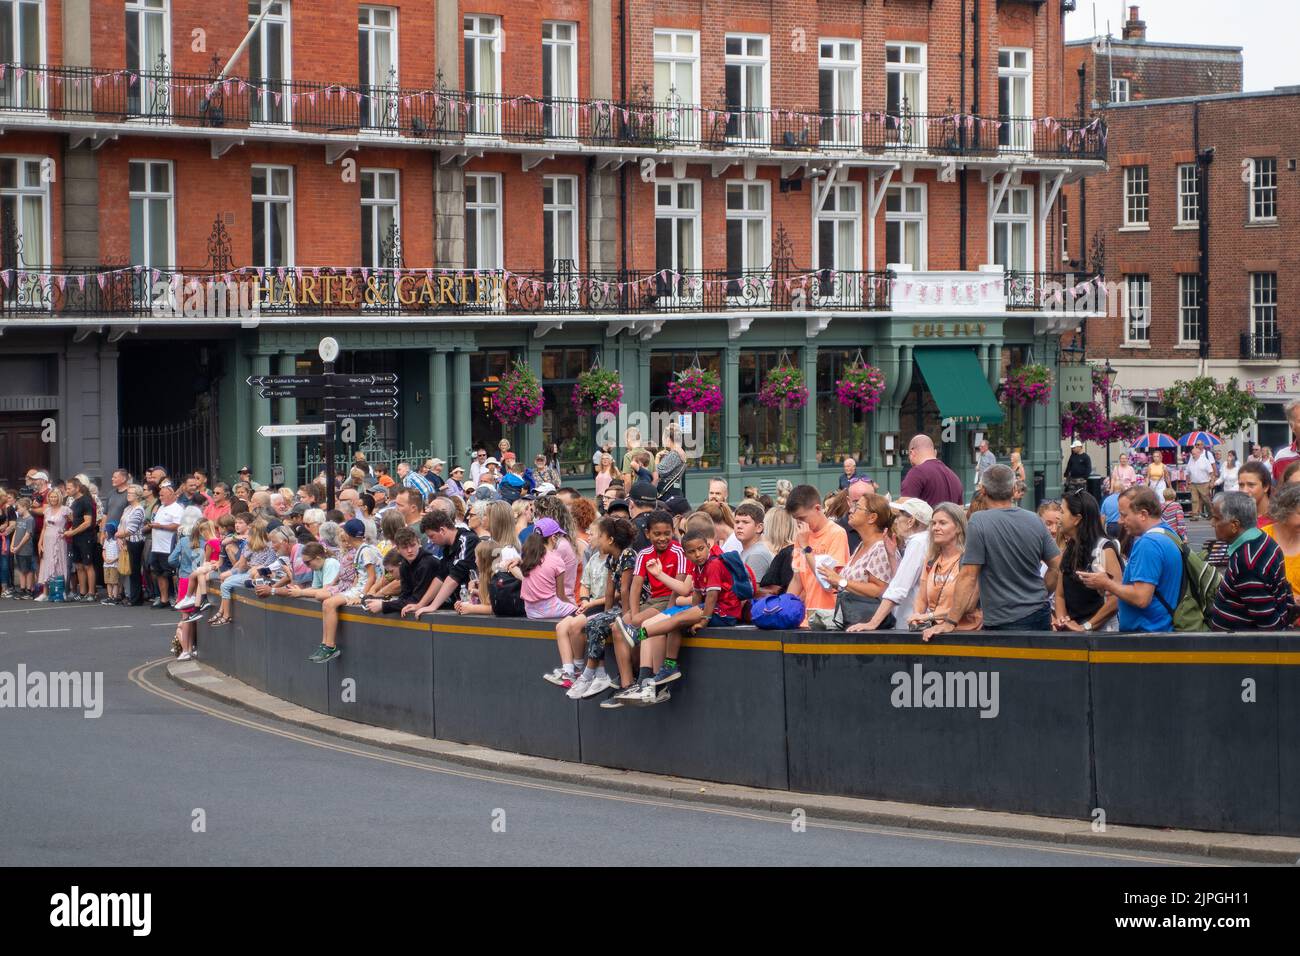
[1155, 731]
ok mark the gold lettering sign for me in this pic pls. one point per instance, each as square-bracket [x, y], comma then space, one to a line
[407, 291]
[930, 330]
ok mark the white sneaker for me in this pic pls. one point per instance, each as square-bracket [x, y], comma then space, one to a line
[187, 603]
[599, 684]
[556, 677]
[184, 656]
[580, 688]
[648, 692]
[43, 596]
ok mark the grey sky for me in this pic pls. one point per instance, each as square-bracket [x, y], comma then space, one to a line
[1267, 29]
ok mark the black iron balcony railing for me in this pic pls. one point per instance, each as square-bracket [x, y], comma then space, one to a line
[1055, 291]
[454, 116]
[137, 292]
[1261, 345]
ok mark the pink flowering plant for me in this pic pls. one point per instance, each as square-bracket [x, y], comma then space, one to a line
[861, 388]
[696, 390]
[783, 388]
[1028, 385]
[598, 390]
[1088, 421]
[518, 398]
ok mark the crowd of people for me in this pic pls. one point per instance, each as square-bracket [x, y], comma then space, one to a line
[639, 569]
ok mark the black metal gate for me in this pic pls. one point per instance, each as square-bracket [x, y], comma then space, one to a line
[180, 447]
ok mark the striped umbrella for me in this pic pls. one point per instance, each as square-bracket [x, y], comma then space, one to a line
[1155, 440]
[1207, 439]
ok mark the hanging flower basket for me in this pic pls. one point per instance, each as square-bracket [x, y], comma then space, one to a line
[1088, 421]
[783, 388]
[598, 390]
[1028, 385]
[696, 390]
[861, 388]
[518, 399]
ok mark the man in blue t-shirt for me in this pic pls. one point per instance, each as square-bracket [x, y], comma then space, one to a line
[1153, 577]
[1110, 514]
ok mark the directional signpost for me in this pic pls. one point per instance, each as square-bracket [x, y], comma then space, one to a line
[345, 396]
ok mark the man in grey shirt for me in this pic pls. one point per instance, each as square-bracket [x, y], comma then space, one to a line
[1006, 547]
[984, 461]
[115, 501]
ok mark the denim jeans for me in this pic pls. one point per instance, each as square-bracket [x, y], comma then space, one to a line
[1040, 620]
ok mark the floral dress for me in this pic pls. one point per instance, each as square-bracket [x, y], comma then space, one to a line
[54, 562]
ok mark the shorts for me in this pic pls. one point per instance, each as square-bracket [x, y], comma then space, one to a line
[25, 563]
[111, 575]
[158, 564]
[83, 550]
[677, 609]
[598, 629]
[660, 604]
[722, 620]
[182, 587]
[551, 607]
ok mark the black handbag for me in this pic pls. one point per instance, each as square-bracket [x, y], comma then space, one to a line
[853, 608]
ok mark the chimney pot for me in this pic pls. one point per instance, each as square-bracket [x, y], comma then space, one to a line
[1135, 28]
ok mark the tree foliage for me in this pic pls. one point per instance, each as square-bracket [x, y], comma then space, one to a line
[1223, 408]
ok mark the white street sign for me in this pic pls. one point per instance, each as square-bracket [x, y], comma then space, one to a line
[285, 431]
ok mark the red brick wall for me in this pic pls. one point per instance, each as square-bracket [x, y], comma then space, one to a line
[1238, 129]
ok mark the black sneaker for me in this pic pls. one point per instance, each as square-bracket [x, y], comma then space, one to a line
[157, 603]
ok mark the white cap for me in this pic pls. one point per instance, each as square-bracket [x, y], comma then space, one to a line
[916, 508]
[1076, 444]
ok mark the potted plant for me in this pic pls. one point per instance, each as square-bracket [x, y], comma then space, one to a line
[518, 398]
[861, 388]
[696, 390]
[598, 390]
[783, 388]
[1027, 385]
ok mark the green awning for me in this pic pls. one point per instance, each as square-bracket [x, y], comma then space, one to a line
[959, 384]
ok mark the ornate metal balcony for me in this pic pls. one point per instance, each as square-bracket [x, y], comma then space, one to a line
[441, 116]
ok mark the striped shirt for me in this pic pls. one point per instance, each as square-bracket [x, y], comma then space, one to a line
[1254, 594]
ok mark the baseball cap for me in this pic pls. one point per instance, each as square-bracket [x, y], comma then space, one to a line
[437, 462]
[1076, 444]
[491, 461]
[677, 505]
[546, 488]
[618, 504]
[243, 470]
[547, 527]
[355, 528]
[486, 493]
[918, 509]
[298, 509]
[644, 493]
[40, 476]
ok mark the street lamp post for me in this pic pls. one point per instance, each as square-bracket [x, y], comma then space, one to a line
[1107, 372]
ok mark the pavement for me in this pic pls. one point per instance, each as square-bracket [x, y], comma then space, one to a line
[202, 770]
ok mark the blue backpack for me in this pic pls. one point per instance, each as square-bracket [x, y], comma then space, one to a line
[742, 579]
[777, 612]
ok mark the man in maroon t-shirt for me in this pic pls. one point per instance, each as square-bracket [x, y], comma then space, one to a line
[929, 479]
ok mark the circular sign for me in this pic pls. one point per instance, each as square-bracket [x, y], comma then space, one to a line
[329, 349]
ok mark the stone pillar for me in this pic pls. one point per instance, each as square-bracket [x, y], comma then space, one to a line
[288, 365]
[460, 422]
[730, 414]
[439, 432]
[1043, 427]
[531, 436]
[449, 216]
[808, 428]
[261, 415]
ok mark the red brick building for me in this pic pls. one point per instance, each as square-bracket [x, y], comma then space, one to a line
[1237, 317]
[644, 185]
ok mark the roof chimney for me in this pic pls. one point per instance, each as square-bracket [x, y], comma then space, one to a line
[1134, 28]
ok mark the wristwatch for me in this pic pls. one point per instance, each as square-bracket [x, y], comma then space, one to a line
[1087, 625]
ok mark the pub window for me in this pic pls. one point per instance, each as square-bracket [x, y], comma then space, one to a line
[22, 42]
[377, 65]
[268, 63]
[148, 38]
[24, 212]
[905, 226]
[483, 42]
[841, 431]
[566, 431]
[485, 371]
[560, 78]
[747, 89]
[768, 436]
[663, 369]
[153, 213]
[483, 221]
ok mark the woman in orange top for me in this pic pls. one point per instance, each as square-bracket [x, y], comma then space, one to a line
[1156, 474]
[1285, 530]
[938, 584]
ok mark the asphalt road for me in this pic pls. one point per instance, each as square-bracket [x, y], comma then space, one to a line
[126, 788]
